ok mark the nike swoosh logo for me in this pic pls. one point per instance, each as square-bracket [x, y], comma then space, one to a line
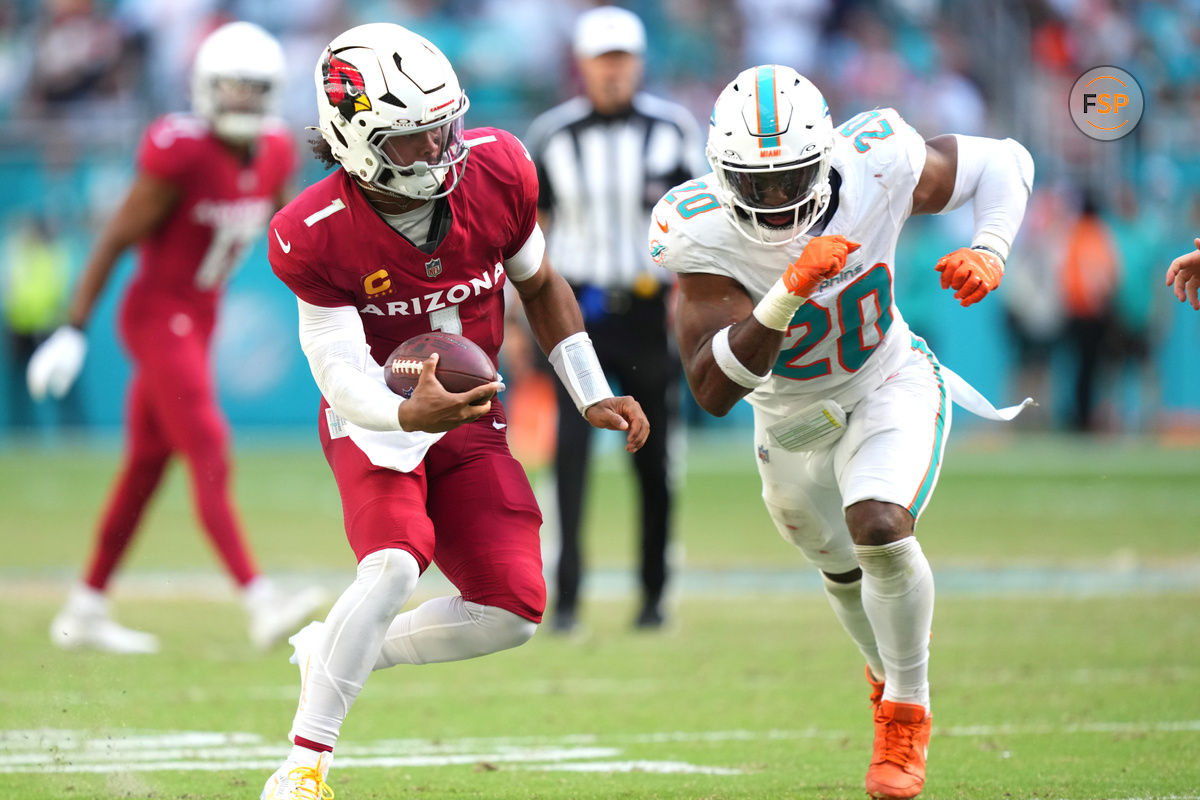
[285, 246]
[499, 425]
[662, 226]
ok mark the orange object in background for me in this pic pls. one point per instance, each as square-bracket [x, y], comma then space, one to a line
[532, 410]
[1090, 270]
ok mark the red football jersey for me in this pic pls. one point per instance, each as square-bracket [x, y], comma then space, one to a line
[332, 249]
[224, 205]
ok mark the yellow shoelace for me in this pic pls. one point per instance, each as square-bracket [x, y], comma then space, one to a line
[310, 784]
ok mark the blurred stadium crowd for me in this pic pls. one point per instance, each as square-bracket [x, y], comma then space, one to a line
[79, 79]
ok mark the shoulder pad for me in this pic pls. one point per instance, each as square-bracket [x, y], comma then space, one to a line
[881, 131]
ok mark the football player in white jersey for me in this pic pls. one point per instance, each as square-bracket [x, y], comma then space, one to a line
[786, 258]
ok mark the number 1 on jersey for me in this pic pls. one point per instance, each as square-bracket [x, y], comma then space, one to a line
[446, 320]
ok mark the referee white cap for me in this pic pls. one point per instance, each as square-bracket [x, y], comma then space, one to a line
[609, 29]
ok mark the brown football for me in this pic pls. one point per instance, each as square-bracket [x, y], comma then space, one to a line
[462, 364]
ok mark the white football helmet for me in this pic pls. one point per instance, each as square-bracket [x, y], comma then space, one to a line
[237, 79]
[377, 86]
[769, 143]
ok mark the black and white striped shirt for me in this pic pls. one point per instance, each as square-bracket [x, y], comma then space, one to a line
[599, 177]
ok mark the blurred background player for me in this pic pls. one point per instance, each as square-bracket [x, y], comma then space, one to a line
[34, 283]
[206, 184]
[1090, 276]
[786, 255]
[604, 159]
[404, 238]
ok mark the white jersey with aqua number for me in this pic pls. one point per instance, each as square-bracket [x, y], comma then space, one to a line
[850, 335]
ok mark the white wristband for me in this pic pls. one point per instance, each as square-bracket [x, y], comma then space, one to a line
[576, 365]
[735, 370]
[778, 306]
[991, 243]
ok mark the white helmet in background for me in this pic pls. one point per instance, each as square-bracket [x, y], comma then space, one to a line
[237, 79]
[769, 143]
[378, 83]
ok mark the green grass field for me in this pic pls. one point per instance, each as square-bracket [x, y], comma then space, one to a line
[1064, 662]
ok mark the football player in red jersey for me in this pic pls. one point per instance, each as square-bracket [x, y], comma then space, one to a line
[420, 230]
[206, 184]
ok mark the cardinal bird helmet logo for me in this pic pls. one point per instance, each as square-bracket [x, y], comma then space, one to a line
[344, 86]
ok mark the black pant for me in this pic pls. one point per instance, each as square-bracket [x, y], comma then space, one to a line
[633, 346]
[1090, 338]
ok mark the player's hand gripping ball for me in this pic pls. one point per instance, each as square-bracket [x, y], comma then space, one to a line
[462, 364]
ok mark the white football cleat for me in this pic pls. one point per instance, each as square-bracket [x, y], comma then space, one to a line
[274, 614]
[86, 622]
[302, 777]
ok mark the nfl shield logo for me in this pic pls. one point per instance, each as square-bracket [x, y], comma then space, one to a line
[433, 268]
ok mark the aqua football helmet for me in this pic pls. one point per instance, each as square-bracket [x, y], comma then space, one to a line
[770, 141]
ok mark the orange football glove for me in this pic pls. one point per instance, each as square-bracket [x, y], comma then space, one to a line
[823, 257]
[971, 273]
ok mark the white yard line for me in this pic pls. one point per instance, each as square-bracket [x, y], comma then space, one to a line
[49, 750]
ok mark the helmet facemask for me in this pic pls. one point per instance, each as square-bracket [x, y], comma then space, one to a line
[775, 204]
[403, 170]
[239, 106]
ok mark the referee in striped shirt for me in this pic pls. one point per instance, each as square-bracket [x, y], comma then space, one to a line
[603, 160]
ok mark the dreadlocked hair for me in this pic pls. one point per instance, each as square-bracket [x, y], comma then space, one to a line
[322, 151]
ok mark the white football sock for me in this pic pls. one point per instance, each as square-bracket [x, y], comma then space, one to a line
[259, 592]
[451, 629]
[302, 756]
[85, 601]
[846, 599]
[351, 638]
[897, 595]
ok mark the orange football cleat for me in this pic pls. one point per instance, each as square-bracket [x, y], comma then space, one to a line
[897, 770]
[876, 690]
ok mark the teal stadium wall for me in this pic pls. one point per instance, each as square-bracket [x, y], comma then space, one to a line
[264, 380]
